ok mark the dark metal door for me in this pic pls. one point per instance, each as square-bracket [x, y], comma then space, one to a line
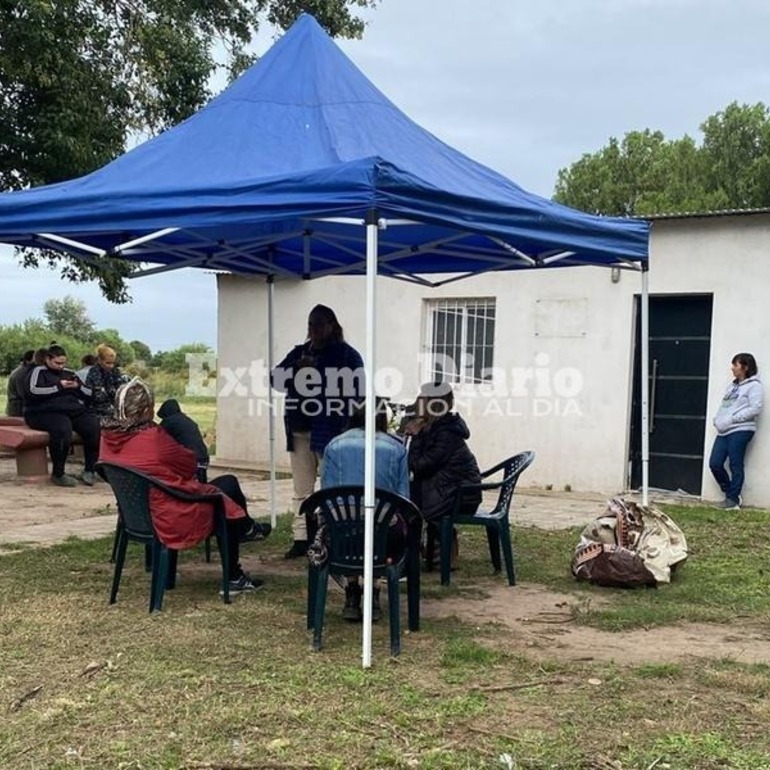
[680, 342]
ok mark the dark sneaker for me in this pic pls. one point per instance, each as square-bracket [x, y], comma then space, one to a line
[298, 549]
[257, 532]
[728, 505]
[245, 583]
[352, 609]
[88, 478]
[376, 611]
[64, 481]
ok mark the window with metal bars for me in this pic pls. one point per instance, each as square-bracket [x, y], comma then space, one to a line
[460, 340]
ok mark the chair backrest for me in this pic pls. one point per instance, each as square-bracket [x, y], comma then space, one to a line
[132, 492]
[512, 468]
[341, 510]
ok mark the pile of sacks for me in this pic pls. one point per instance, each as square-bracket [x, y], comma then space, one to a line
[630, 545]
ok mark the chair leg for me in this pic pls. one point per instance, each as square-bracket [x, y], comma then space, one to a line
[159, 575]
[446, 549]
[171, 577]
[120, 557]
[207, 550]
[320, 607]
[118, 530]
[505, 541]
[494, 546]
[312, 594]
[412, 566]
[148, 558]
[394, 612]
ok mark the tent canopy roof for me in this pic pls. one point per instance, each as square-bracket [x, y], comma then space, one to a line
[267, 177]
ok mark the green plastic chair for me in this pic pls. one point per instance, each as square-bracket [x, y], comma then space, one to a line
[341, 511]
[132, 493]
[497, 521]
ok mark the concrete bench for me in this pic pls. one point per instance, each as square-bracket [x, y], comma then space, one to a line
[5, 420]
[29, 446]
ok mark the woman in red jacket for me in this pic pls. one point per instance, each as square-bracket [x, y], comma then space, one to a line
[134, 440]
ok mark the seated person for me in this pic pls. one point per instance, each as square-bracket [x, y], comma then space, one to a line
[55, 401]
[439, 457]
[86, 362]
[131, 438]
[14, 406]
[104, 378]
[343, 463]
[185, 431]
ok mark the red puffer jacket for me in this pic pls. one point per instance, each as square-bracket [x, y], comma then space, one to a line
[179, 524]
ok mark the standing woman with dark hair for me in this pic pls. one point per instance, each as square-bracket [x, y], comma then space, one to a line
[323, 381]
[736, 423]
[56, 402]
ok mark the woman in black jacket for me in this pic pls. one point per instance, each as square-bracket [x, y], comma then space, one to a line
[439, 458]
[57, 402]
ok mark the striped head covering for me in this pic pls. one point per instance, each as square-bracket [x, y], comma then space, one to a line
[134, 407]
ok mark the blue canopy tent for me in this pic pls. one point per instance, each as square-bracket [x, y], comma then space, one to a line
[302, 168]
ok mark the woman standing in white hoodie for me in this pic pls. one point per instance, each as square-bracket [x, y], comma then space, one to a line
[736, 423]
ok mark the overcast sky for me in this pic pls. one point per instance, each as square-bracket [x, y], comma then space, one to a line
[524, 87]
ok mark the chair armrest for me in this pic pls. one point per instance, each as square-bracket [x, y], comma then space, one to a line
[494, 469]
[483, 487]
[209, 497]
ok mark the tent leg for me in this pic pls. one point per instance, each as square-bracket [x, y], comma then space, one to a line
[372, 225]
[270, 397]
[645, 385]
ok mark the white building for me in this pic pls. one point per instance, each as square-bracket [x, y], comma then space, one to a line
[552, 356]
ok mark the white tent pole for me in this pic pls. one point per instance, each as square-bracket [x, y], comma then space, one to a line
[270, 397]
[369, 364]
[645, 384]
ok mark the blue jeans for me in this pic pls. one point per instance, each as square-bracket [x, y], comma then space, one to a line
[732, 447]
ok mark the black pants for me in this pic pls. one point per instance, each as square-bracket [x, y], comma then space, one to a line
[59, 427]
[236, 528]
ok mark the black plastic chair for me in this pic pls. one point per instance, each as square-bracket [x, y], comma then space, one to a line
[132, 493]
[496, 521]
[341, 511]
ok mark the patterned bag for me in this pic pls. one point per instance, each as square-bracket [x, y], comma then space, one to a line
[630, 546]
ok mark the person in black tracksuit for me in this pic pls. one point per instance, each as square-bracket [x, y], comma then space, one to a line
[55, 401]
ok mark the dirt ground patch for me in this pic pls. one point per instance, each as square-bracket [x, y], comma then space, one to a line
[542, 622]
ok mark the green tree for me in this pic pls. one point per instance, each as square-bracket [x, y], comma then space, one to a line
[69, 317]
[176, 360]
[142, 351]
[78, 78]
[647, 174]
[736, 149]
[31, 335]
[18, 338]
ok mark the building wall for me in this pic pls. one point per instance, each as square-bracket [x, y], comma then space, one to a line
[563, 339]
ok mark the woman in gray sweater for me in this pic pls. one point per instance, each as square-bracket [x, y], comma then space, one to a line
[736, 423]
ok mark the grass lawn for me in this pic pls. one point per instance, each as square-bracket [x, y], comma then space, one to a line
[204, 685]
